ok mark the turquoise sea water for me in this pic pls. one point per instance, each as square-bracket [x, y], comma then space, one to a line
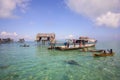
[39, 63]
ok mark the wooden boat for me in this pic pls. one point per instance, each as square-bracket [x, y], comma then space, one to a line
[95, 50]
[103, 54]
[25, 45]
[50, 48]
[74, 48]
[74, 44]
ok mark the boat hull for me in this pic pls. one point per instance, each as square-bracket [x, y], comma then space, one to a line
[103, 54]
[74, 48]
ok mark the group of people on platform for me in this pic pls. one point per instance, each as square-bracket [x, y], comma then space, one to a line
[74, 42]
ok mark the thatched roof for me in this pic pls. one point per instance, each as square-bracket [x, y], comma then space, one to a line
[45, 35]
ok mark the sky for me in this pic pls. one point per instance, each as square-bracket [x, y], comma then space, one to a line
[99, 19]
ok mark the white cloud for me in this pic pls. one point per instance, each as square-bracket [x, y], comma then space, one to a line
[3, 33]
[15, 36]
[7, 34]
[94, 8]
[70, 36]
[7, 7]
[110, 19]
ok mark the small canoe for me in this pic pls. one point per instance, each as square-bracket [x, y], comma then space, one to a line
[25, 45]
[103, 54]
[95, 50]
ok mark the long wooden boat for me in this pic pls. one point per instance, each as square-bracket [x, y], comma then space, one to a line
[95, 50]
[74, 48]
[103, 54]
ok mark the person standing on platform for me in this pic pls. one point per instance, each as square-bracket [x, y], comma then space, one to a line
[52, 42]
[74, 42]
[80, 43]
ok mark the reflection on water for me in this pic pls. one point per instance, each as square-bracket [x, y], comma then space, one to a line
[39, 63]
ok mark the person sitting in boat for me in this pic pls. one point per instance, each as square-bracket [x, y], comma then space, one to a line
[104, 51]
[110, 51]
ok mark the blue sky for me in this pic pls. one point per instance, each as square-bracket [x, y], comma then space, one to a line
[66, 18]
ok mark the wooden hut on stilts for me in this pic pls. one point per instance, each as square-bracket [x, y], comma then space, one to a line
[44, 37]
